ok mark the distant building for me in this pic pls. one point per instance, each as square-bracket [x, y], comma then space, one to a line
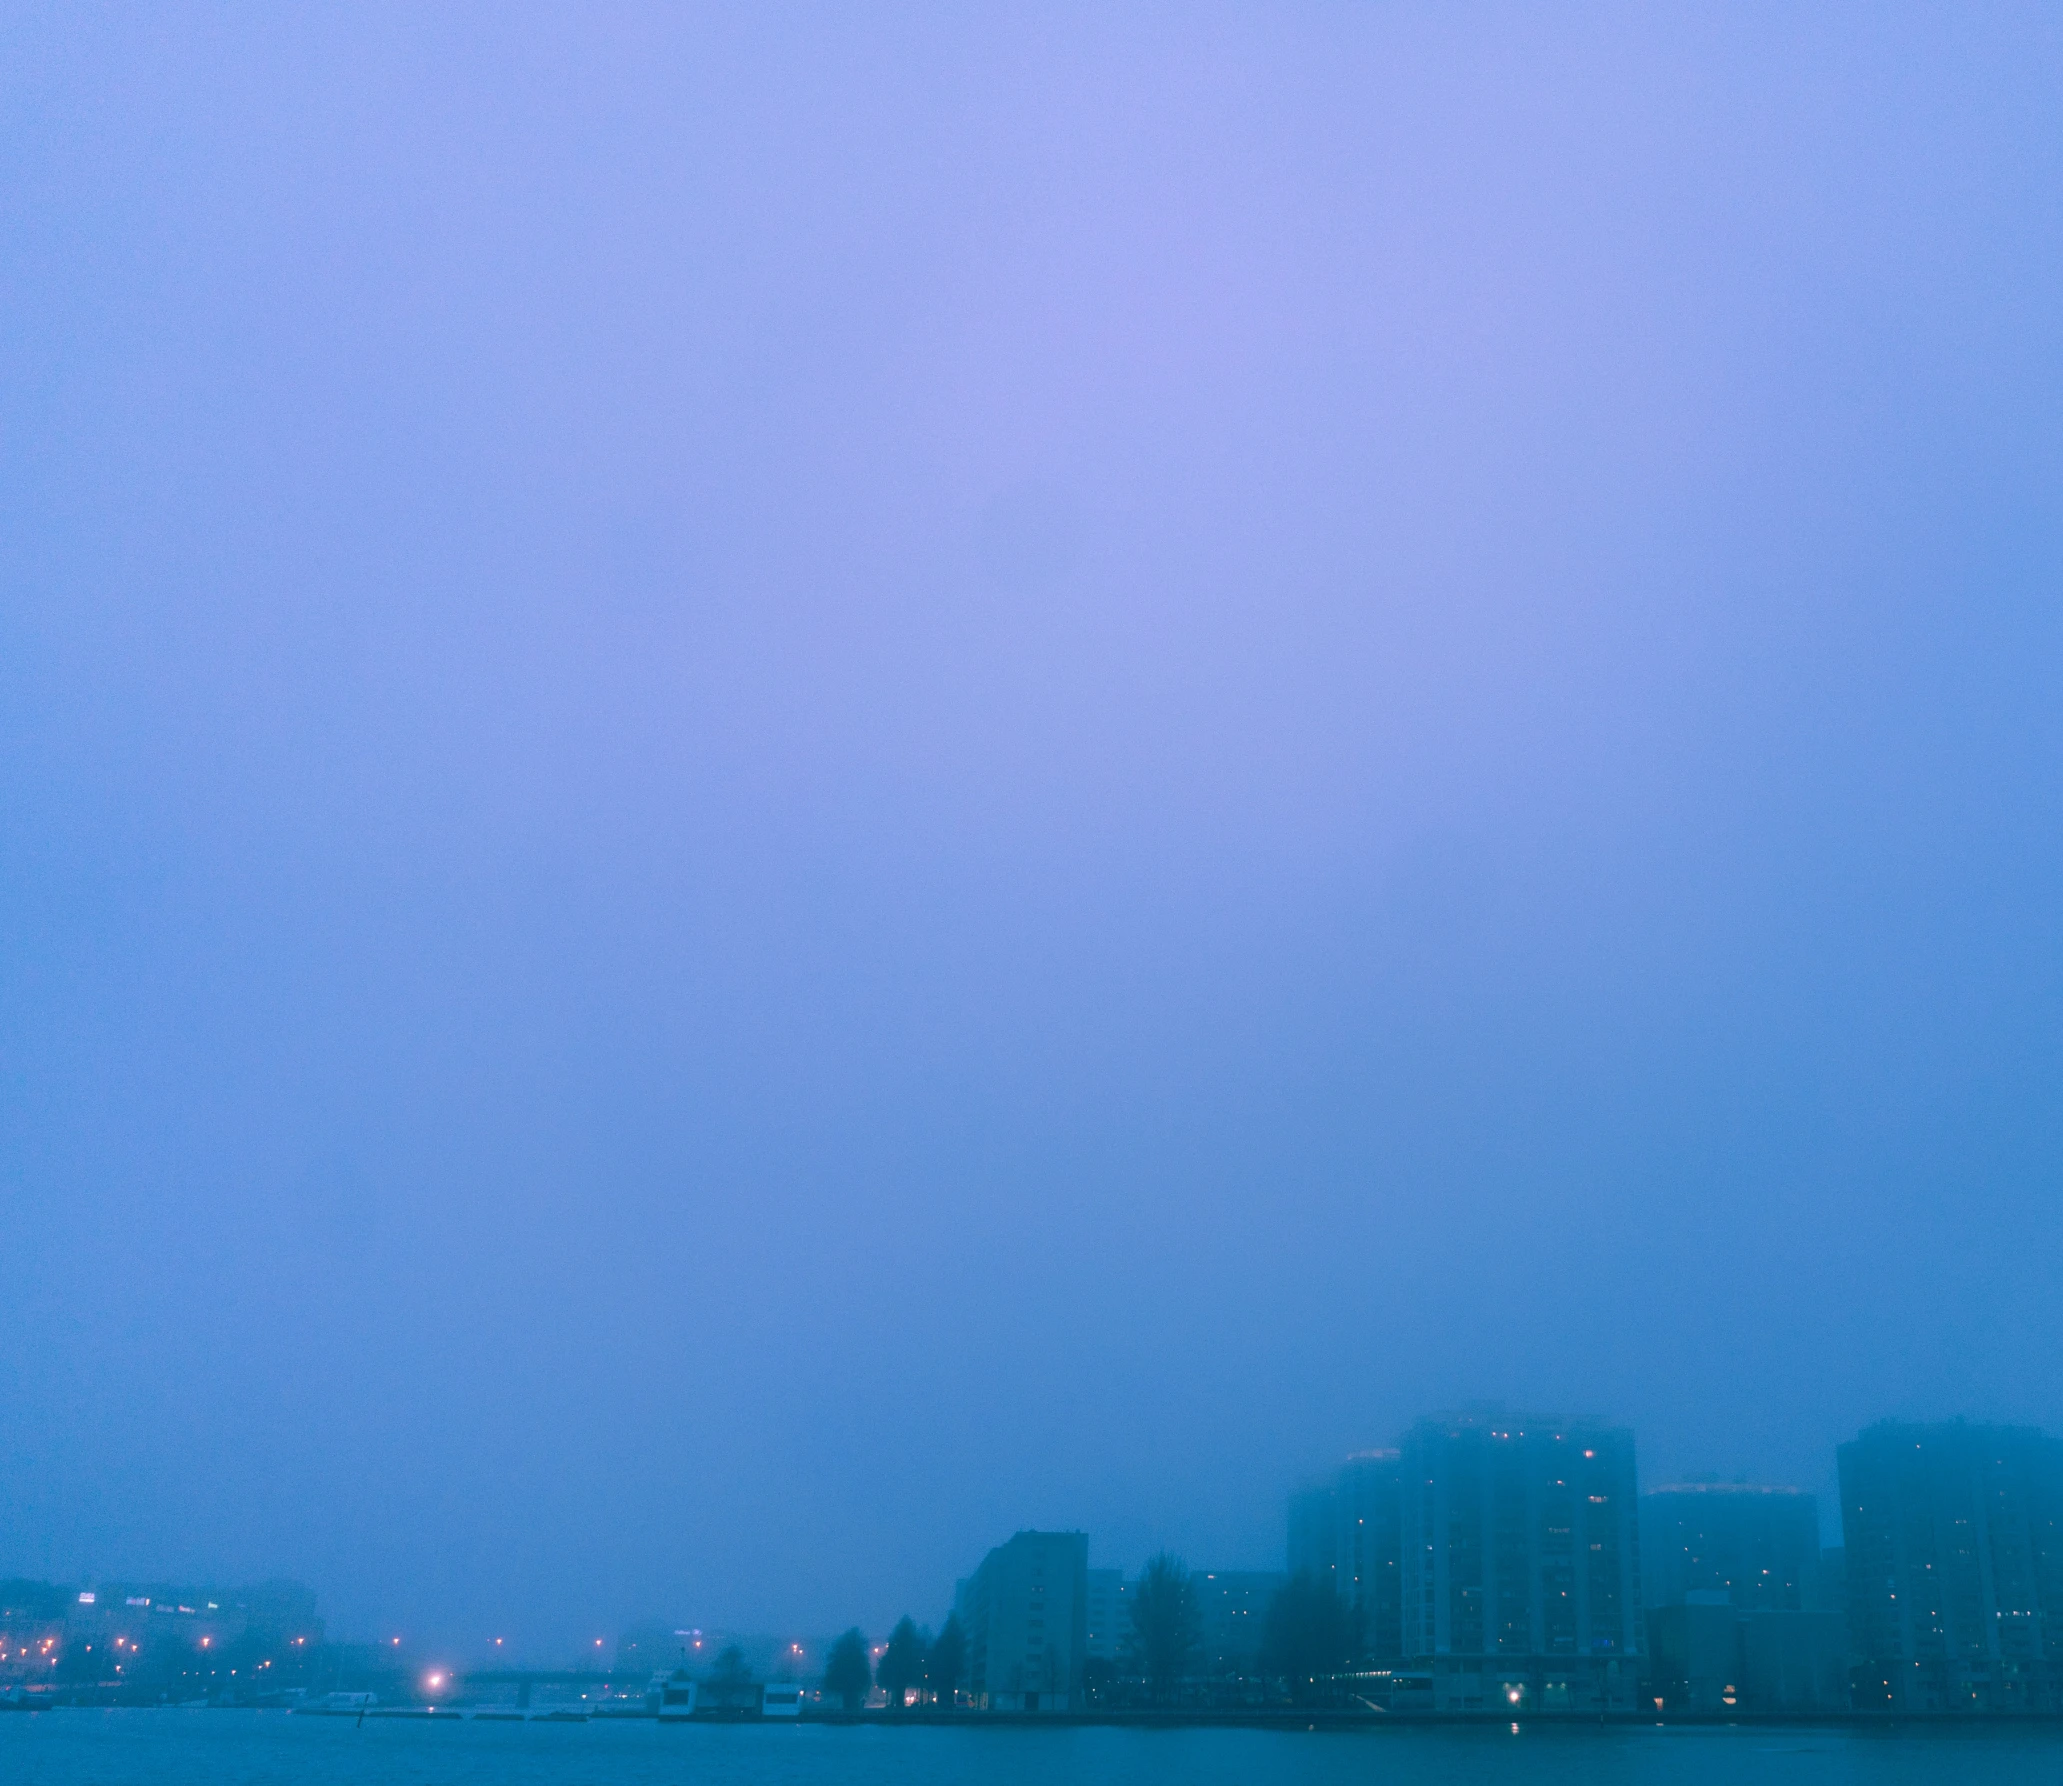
[1758, 1546]
[1706, 1654]
[1233, 1604]
[1795, 1661]
[1830, 1584]
[32, 1629]
[1025, 1612]
[1521, 1563]
[1371, 1560]
[1954, 1539]
[1734, 1582]
[1347, 1534]
[196, 1618]
[1314, 1532]
[1694, 1653]
[1109, 1625]
[657, 1646]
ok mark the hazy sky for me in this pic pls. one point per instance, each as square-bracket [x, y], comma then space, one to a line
[778, 788]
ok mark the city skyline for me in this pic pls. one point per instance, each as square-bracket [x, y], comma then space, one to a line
[1492, 1562]
[1289, 1555]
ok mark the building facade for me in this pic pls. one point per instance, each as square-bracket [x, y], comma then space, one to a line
[1757, 1545]
[1314, 1524]
[1232, 1607]
[1732, 1575]
[1954, 1540]
[1025, 1612]
[1347, 1534]
[1521, 1563]
[1705, 1654]
[1109, 1625]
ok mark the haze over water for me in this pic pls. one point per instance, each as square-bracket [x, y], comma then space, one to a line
[778, 788]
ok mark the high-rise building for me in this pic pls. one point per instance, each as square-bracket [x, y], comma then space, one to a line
[1345, 1533]
[1232, 1608]
[1109, 1625]
[1758, 1546]
[1371, 1564]
[1025, 1612]
[1521, 1562]
[1314, 1532]
[1954, 1539]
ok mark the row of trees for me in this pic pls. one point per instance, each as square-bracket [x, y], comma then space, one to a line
[1310, 1637]
[914, 1663]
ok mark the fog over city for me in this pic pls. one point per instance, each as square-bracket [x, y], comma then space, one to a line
[781, 787]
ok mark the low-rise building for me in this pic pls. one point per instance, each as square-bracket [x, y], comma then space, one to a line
[1706, 1654]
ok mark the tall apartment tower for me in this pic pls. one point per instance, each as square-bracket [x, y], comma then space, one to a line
[1954, 1535]
[1026, 1615]
[1109, 1623]
[1521, 1563]
[1232, 1607]
[1314, 1532]
[1345, 1533]
[1758, 1546]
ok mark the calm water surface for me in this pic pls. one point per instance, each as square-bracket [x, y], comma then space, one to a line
[71, 1747]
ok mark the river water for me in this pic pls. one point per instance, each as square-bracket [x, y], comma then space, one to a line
[81, 1747]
